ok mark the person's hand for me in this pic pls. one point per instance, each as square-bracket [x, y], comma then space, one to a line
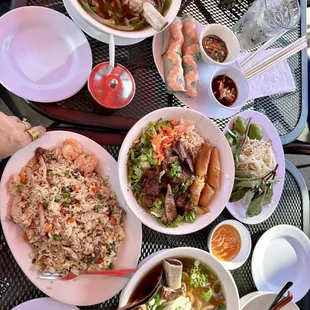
[15, 134]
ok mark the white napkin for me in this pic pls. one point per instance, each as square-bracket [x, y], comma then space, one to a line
[275, 80]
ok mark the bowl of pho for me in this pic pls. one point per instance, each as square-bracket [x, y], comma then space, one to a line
[130, 19]
[192, 280]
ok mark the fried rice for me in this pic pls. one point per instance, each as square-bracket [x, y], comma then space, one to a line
[68, 213]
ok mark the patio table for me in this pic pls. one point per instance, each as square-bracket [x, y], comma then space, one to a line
[288, 112]
[293, 209]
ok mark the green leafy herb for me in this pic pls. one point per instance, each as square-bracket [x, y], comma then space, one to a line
[238, 194]
[97, 208]
[158, 208]
[57, 198]
[66, 205]
[20, 188]
[175, 170]
[65, 195]
[175, 189]
[99, 196]
[207, 295]
[190, 216]
[66, 190]
[66, 173]
[55, 237]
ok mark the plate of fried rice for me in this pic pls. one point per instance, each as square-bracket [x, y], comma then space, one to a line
[62, 211]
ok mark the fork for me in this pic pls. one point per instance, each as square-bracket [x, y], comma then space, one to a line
[70, 275]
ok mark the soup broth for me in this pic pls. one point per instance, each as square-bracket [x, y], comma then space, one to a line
[203, 287]
[120, 14]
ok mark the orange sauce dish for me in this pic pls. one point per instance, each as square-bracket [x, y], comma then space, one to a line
[226, 243]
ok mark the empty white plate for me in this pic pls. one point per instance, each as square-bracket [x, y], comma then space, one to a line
[44, 303]
[45, 57]
[282, 254]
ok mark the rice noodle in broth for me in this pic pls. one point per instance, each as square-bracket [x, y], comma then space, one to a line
[124, 15]
[194, 287]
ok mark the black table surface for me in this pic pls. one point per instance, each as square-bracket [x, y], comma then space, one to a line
[288, 112]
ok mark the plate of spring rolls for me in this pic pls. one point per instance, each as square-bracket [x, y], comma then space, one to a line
[176, 170]
[176, 54]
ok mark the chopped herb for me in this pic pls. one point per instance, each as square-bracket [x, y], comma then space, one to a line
[207, 295]
[33, 260]
[65, 195]
[97, 208]
[20, 188]
[57, 198]
[67, 205]
[175, 189]
[175, 170]
[45, 205]
[66, 173]
[111, 266]
[99, 196]
[108, 246]
[66, 190]
[55, 237]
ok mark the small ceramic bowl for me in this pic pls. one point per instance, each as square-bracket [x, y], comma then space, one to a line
[242, 87]
[227, 36]
[246, 244]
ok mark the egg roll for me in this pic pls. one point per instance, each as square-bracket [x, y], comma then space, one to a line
[214, 169]
[196, 188]
[203, 159]
[206, 195]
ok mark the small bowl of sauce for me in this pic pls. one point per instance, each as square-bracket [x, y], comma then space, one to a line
[218, 45]
[228, 88]
[230, 242]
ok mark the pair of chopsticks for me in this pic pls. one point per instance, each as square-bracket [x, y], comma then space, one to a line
[284, 301]
[285, 53]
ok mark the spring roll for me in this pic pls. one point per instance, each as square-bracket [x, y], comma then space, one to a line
[214, 170]
[191, 55]
[196, 188]
[203, 159]
[172, 57]
[206, 195]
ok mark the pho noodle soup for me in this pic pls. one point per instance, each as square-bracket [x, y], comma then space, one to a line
[124, 15]
[189, 285]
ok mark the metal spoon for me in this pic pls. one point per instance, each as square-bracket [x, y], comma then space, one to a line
[281, 293]
[144, 300]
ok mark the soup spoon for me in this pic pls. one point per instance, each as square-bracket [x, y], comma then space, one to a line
[144, 300]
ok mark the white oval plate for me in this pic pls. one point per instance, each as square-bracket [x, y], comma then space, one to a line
[202, 103]
[206, 129]
[44, 303]
[86, 289]
[282, 254]
[237, 209]
[44, 56]
[262, 300]
[93, 32]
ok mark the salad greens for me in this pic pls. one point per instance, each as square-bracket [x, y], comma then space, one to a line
[255, 190]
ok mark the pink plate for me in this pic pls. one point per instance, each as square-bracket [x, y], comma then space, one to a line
[87, 289]
[44, 56]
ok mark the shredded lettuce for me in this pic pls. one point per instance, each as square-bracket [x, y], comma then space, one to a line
[158, 208]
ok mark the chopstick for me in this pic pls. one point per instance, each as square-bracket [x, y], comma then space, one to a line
[283, 302]
[288, 51]
[262, 48]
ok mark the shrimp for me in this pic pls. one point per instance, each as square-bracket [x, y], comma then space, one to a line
[192, 50]
[71, 149]
[191, 81]
[172, 79]
[176, 30]
[190, 28]
[190, 61]
[86, 163]
[174, 58]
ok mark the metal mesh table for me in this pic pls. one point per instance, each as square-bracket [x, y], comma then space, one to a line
[293, 209]
[288, 112]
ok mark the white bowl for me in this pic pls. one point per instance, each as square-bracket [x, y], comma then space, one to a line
[242, 87]
[227, 36]
[262, 300]
[207, 129]
[138, 34]
[245, 249]
[227, 281]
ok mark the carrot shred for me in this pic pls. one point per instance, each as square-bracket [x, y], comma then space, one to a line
[95, 190]
[70, 220]
[112, 220]
[26, 239]
[23, 177]
[48, 228]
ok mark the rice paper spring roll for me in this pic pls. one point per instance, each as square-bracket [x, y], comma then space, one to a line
[191, 55]
[172, 57]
